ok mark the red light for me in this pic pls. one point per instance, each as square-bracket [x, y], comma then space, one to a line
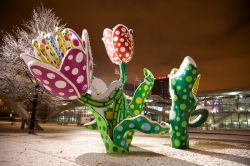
[162, 77]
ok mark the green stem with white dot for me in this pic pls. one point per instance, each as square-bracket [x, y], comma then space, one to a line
[183, 104]
[140, 123]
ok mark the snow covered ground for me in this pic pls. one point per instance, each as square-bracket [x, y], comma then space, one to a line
[70, 145]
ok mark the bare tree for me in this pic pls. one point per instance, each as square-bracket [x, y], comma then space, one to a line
[16, 83]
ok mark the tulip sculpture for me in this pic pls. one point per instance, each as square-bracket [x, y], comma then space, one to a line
[183, 83]
[64, 65]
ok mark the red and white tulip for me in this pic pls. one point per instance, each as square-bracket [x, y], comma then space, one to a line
[119, 43]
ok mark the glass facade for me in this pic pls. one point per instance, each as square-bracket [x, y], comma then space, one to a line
[77, 115]
[227, 111]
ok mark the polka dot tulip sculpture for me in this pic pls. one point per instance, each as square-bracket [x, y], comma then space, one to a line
[120, 47]
[65, 72]
[63, 65]
[183, 83]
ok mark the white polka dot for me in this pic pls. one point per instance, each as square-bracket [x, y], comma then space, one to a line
[123, 59]
[80, 79]
[127, 54]
[66, 68]
[122, 143]
[116, 49]
[79, 57]
[120, 55]
[46, 87]
[123, 29]
[74, 71]
[119, 44]
[157, 128]
[118, 137]
[146, 127]
[122, 49]
[119, 128]
[117, 32]
[46, 81]
[122, 39]
[115, 38]
[131, 125]
[84, 67]
[126, 43]
[60, 84]
[84, 87]
[71, 90]
[51, 75]
[61, 93]
[73, 97]
[70, 57]
[37, 72]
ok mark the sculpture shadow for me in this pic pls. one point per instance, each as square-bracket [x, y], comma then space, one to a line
[137, 156]
[203, 147]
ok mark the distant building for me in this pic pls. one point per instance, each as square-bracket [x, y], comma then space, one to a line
[161, 87]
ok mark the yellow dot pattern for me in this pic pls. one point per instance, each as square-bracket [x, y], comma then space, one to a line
[109, 115]
[136, 112]
[138, 100]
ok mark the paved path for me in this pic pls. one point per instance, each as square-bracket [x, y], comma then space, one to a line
[68, 145]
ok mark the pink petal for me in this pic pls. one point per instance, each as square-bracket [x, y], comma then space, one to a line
[108, 42]
[74, 67]
[123, 42]
[75, 39]
[86, 43]
[54, 81]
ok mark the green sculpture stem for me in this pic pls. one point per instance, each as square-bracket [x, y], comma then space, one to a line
[120, 114]
[136, 105]
[183, 105]
[141, 93]
[202, 117]
[102, 124]
[119, 109]
[87, 98]
[140, 123]
[123, 73]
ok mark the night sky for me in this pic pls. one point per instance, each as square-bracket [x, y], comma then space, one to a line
[215, 33]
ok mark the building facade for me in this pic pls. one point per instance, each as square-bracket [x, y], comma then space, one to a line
[161, 87]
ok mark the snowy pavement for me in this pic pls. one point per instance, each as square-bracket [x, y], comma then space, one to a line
[69, 145]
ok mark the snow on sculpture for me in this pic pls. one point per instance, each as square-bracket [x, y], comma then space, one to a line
[63, 65]
[66, 74]
[183, 86]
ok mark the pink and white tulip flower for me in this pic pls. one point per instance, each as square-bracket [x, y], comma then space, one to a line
[72, 78]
